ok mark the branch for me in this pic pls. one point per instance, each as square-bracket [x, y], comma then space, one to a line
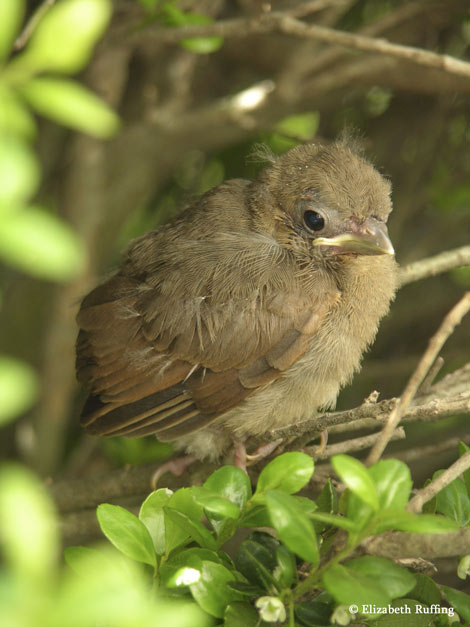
[400, 544]
[284, 23]
[426, 494]
[437, 264]
[36, 17]
[447, 327]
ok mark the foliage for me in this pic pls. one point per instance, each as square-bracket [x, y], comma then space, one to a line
[32, 238]
[304, 569]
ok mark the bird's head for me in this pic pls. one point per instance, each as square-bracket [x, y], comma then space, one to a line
[327, 202]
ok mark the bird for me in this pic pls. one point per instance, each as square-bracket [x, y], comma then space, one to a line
[248, 312]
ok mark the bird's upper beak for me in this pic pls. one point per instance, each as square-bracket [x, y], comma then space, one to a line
[368, 238]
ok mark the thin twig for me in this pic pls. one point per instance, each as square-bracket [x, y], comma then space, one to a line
[284, 23]
[355, 444]
[447, 327]
[435, 265]
[426, 494]
[34, 20]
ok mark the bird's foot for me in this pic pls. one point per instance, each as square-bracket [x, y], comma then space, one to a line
[323, 442]
[263, 451]
[175, 466]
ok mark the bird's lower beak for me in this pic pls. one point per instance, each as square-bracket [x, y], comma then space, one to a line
[370, 238]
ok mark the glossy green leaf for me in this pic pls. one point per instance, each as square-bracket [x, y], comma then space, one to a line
[454, 501]
[288, 472]
[192, 528]
[402, 520]
[231, 483]
[183, 501]
[211, 591]
[256, 516]
[459, 601]
[151, 514]
[213, 503]
[397, 581]
[19, 173]
[69, 103]
[335, 521]
[350, 587]
[64, 38]
[126, 532]
[302, 126]
[28, 528]
[357, 478]
[286, 569]
[41, 244]
[257, 562]
[293, 526]
[313, 613]
[11, 15]
[239, 614]
[191, 558]
[392, 478]
[18, 388]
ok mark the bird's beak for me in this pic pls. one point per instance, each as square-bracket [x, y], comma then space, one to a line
[369, 238]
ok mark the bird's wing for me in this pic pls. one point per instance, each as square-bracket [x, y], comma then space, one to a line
[170, 367]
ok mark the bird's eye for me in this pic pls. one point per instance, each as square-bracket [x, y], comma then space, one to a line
[313, 221]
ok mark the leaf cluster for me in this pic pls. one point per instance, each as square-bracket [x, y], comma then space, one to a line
[302, 567]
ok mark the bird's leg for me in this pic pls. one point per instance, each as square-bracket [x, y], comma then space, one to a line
[239, 457]
[175, 466]
[323, 442]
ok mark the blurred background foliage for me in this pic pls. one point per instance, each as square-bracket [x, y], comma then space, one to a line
[77, 182]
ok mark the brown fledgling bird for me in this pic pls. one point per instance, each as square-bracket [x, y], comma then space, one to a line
[248, 312]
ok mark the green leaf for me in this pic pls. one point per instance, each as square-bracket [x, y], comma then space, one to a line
[40, 244]
[302, 126]
[239, 614]
[202, 45]
[127, 533]
[350, 587]
[396, 580]
[78, 558]
[257, 562]
[15, 117]
[402, 520]
[19, 172]
[327, 500]
[151, 514]
[293, 526]
[357, 478]
[459, 601]
[28, 526]
[183, 501]
[256, 516]
[211, 591]
[18, 388]
[335, 521]
[426, 590]
[69, 103]
[463, 448]
[453, 501]
[11, 15]
[231, 483]
[313, 613]
[393, 481]
[288, 472]
[215, 504]
[64, 39]
[192, 528]
[286, 569]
